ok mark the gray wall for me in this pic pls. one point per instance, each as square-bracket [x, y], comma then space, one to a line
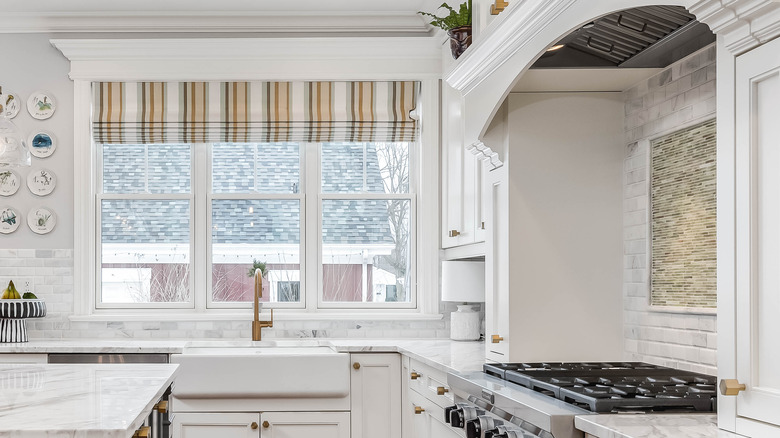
[30, 64]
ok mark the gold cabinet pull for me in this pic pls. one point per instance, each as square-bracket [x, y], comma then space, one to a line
[418, 410]
[415, 376]
[483, 225]
[496, 339]
[454, 233]
[161, 407]
[356, 365]
[253, 425]
[498, 7]
[143, 432]
[731, 387]
[440, 390]
[266, 424]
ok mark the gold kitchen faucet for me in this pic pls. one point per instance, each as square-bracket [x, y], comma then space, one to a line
[257, 325]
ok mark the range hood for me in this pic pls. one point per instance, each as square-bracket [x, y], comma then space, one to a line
[645, 37]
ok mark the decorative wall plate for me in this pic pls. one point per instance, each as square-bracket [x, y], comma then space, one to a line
[42, 144]
[41, 105]
[9, 182]
[41, 182]
[41, 220]
[10, 103]
[9, 220]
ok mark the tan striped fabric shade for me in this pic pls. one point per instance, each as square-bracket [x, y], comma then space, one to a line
[199, 112]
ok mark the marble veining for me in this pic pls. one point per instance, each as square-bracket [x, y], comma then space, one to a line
[652, 426]
[112, 401]
[443, 354]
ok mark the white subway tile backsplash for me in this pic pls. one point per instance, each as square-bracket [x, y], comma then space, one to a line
[686, 93]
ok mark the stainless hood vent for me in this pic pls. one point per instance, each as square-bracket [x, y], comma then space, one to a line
[649, 37]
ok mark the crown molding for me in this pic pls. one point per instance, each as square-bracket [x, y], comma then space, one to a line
[216, 22]
[190, 59]
[484, 153]
[743, 24]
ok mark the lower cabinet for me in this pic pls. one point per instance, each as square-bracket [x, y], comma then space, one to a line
[376, 395]
[265, 425]
[428, 419]
[426, 394]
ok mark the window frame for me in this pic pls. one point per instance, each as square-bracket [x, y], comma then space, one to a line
[101, 196]
[311, 197]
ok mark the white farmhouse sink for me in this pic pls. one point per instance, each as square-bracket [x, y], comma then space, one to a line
[252, 371]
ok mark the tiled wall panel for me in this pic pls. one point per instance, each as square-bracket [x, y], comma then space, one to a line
[681, 95]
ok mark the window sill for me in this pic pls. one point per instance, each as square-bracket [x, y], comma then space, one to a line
[278, 316]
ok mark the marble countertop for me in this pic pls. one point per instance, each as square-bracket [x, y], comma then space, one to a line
[652, 426]
[444, 354]
[112, 401]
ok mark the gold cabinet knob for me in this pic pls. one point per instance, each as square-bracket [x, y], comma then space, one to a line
[356, 365]
[253, 425]
[161, 407]
[441, 390]
[418, 410]
[731, 386]
[415, 376]
[454, 233]
[496, 339]
[266, 424]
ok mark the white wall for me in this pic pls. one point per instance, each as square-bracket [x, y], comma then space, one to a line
[681, 94]
[565, 158]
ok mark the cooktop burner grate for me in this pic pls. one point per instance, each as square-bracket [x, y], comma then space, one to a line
[614, 386]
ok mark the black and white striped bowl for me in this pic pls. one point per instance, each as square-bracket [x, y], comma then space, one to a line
[15, 309]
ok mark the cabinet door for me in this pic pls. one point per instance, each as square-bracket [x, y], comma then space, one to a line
[208, 425]
[758, 239]
[376, 395]
[496, 194]
[454, 226]
[304, 424]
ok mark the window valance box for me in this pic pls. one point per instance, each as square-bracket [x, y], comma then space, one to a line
[200, 112]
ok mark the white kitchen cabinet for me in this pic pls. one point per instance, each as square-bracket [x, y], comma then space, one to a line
[223, 425]
[304, 424]
[753, 357]
[462, 212]
[376, 395]
[426, 396]
[261, 425]
[497, 320]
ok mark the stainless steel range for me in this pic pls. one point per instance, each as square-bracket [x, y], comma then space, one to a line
[541, 399]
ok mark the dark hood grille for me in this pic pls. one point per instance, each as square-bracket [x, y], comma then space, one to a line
[617, 39]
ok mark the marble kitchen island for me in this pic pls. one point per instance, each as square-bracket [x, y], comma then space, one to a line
[106, 400]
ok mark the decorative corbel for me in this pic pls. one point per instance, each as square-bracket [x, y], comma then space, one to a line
[484, 153]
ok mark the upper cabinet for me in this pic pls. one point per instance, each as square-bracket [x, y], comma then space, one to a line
[462, 212]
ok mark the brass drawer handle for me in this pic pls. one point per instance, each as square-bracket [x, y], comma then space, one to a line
[253, 425]
[454, 233]
[731, 387]
[418, 410]
[496, 339]
[356, 365]
[415, 376]
[441, 390]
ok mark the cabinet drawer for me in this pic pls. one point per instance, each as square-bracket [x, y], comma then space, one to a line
[429, 382]
[428, 419]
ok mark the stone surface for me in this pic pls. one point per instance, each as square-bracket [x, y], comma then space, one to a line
[652, 426]
[111, 401]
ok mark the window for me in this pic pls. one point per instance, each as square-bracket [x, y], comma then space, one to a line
[165, 208]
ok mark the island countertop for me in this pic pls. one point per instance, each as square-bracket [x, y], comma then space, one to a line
[107, 400]
[702, 425]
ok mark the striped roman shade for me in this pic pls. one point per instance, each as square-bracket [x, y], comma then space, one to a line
[190, 112]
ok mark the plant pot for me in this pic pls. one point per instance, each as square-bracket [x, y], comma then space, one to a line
[460, 40]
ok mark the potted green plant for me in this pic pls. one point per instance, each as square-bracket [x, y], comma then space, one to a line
[457, 24]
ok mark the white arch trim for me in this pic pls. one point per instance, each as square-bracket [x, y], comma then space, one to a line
[486, 73]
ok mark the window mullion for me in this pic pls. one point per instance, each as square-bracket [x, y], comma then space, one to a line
[313, 225]
[201, 239]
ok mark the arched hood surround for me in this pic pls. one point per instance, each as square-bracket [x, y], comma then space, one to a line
[486, 73]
